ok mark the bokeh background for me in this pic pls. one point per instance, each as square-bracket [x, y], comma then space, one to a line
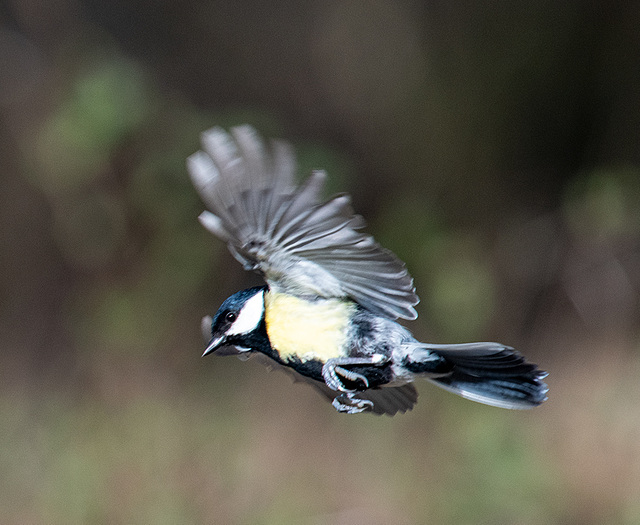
[494, 146]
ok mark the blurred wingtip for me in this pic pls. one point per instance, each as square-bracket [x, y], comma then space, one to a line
[214, 224]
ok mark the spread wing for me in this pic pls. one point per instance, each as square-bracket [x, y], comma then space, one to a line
[300, 244]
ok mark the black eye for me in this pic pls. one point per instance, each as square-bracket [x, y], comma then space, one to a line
[230, 317]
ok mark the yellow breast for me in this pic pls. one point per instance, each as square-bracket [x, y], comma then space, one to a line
[307, 329]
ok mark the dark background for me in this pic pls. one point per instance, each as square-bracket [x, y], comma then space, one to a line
[494, 146]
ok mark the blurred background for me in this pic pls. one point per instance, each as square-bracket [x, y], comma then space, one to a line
[494, 146]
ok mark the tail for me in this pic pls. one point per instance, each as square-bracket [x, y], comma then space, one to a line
[488, 373]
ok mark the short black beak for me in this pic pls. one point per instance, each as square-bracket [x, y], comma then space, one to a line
[215, 343]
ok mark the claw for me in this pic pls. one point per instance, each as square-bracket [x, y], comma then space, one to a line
[335, 366]
[349, 375]
[349, 405]
[332, 380]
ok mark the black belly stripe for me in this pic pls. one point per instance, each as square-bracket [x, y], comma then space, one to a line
[311, 368]
[376, 375]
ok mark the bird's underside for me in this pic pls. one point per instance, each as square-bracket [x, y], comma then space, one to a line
[382, 400]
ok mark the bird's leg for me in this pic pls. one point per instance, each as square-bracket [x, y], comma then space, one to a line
[334, 367]
[350, 405]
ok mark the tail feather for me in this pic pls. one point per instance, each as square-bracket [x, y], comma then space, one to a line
[492, 374]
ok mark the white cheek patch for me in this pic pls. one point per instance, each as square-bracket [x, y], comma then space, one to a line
[250, 316]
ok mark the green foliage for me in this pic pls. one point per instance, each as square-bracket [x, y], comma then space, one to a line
[106, 101]
[604, 204]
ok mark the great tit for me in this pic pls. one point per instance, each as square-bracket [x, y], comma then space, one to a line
[328, 311]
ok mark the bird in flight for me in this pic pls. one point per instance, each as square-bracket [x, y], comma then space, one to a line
[327, 313]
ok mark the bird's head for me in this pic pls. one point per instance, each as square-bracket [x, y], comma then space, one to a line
[238, 326]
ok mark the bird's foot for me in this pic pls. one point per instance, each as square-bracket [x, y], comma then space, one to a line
[333, 370]
[347, 404]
